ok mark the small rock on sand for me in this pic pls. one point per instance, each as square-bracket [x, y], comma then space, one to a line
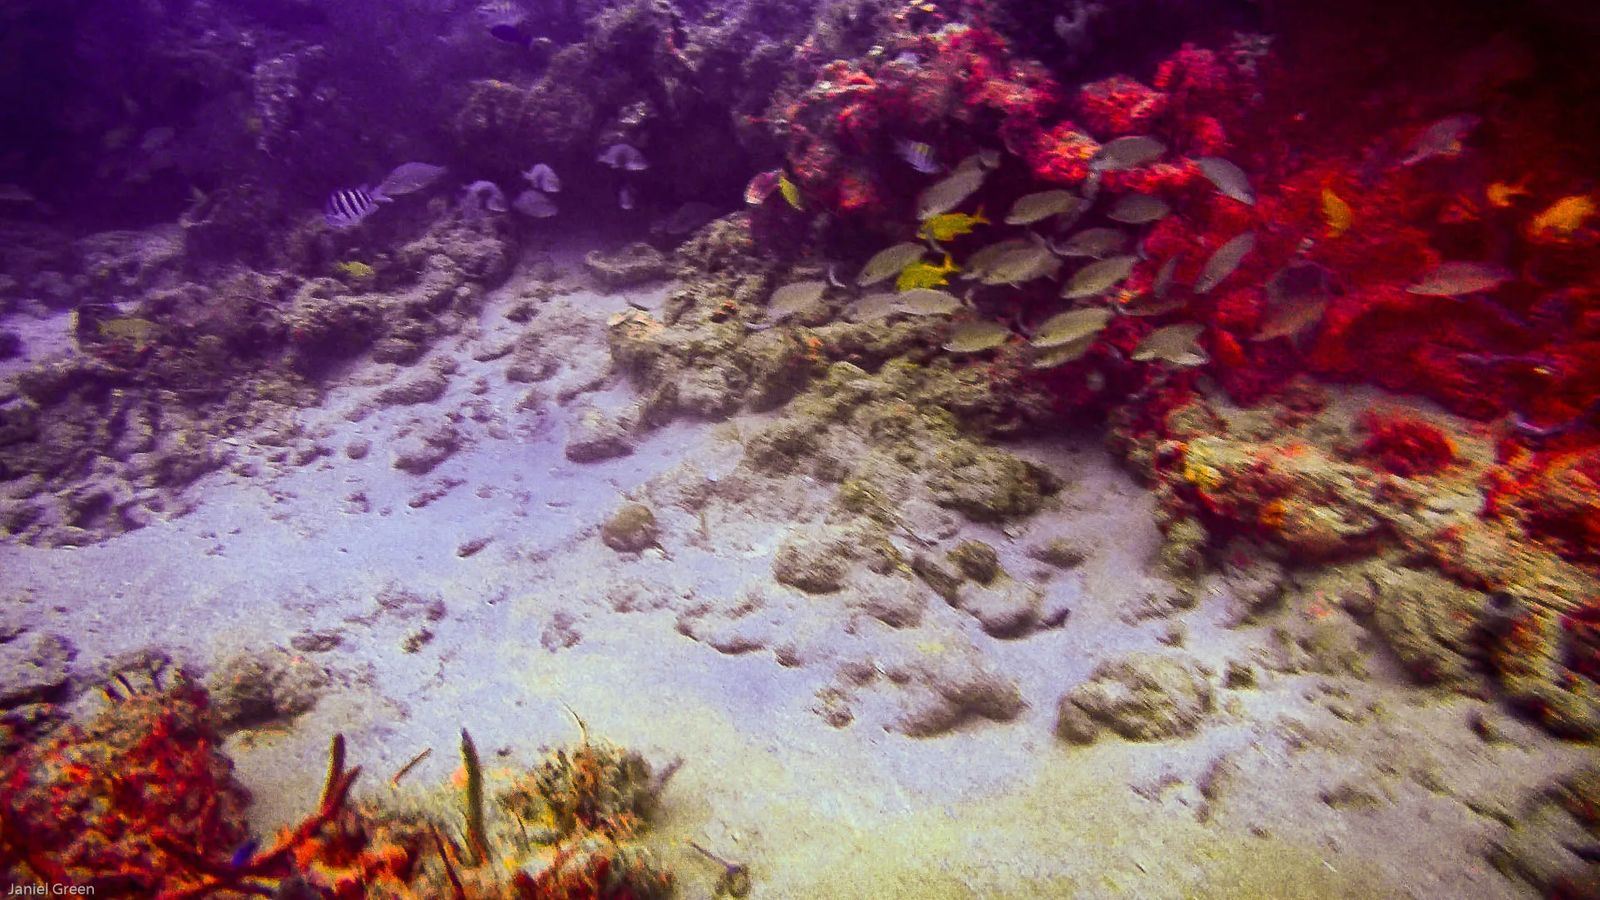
[1143, 696]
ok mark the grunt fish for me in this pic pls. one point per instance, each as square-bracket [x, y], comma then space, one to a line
[1138, 209]
[624, 157]
[1223, 262]
[761, 186]
[350, 207]
[1070, 326]
[980, 262]
[1174, 344]
[948, 226]
[790, 191]
[1098, 277]
[976, 337]
[889, 261]
[928, 302]
[534, 204]
[1032, 208]
[1336, 213]
[877, 306]
[543, 178]
[1126, 153]
[1023, 264]
[1229, 180]
[1095, 243]
[945, 195]
[918, 155]
[926, 274]
[1564, 217]
[408, 178]
[794, 298]
[1442, 138]
[1060, 356]
[1456, 279]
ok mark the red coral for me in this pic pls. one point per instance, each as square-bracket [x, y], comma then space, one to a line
[1406, 445]
[1120, 105]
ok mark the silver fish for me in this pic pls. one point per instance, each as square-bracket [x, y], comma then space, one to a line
[1456, 279]
[943, 196]
[976, 337]
[928, 302]
[918, 155]
[1126, 153]
[1442, 138]
[1098, 277]
[1095, 243]
[1224, 261]
[534, 204]
[350, 207]
[794, 298]
[1138, 209]
[623, 156]
[1176, 344]
[1042, 205]
[1229, 180]
[483, 195]
[543, 179]
[889, 261]
[408, 178]
[1070, 326]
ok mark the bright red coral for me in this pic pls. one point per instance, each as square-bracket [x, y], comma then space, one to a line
[1406, 445]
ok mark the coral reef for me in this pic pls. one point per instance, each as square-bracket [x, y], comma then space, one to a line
[141, 800]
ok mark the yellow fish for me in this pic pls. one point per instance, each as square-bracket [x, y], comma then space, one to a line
[925, 275]
[1336, 212]
[1564, 217]
[1502, 194]
[138, 332]
[951, 225]
[789, 190]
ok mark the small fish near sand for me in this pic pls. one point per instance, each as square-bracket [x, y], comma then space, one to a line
[542, 178]
[928, 302]
[1175, 344]
[1443, 138]
[918, 155]
[890, 261]
[625, 157]
[534, 204]
[1457, 279]
[1224, 261]
[976, 337]
[409, 178]
[350, 207]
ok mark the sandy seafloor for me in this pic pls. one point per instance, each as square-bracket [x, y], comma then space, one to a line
[530, 622]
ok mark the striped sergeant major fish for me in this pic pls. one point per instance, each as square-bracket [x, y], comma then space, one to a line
[349, 207]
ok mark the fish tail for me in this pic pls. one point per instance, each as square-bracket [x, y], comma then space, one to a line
[978, 218]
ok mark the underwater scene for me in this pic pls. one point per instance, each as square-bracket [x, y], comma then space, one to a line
[838, 449]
